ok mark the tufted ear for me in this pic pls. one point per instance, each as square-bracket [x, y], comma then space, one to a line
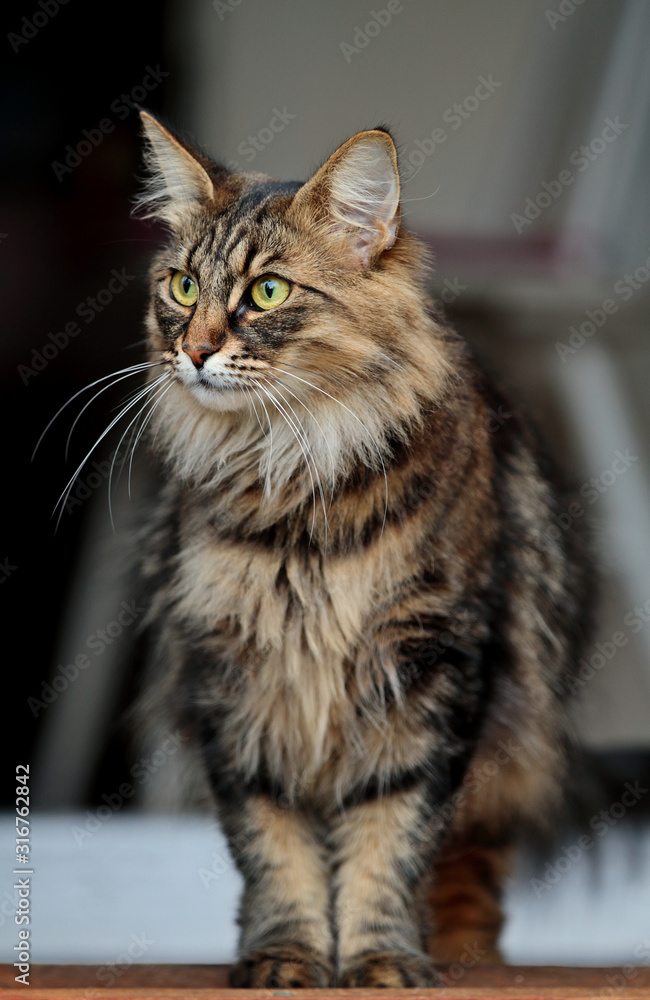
[178, 180]
[356, 194]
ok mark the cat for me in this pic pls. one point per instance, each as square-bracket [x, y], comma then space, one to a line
[366, 613]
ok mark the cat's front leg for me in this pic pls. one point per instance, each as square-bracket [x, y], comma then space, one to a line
[382, 853]
[286, 939]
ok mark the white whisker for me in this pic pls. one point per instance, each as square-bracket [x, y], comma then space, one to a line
[254, 408]
[164, 391]
[151, 389]
[131, 370]
[105, 388]
[311, 452]
[327, 375]
[352, 414]
[302, 402]
[267, 483]
[289, 423]
[66, 492]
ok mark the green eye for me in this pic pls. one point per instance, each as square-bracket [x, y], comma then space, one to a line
[184, 289]
[269, 291]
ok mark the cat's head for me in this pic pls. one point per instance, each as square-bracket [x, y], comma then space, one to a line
[295, 304]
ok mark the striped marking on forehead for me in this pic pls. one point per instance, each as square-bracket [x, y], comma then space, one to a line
[230, 245]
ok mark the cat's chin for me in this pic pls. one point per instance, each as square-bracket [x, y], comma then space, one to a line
[221, 399]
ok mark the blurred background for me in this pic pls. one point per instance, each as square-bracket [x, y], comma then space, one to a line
[524, 136]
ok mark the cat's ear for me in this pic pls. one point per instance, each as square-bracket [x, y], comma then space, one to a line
[356, 195]
[178, 182]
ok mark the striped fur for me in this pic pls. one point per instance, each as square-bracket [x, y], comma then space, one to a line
[366, 625]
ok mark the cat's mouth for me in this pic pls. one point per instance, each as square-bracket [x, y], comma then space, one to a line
[212, 384]
[215, 382]
[194, 378]
[215, 391]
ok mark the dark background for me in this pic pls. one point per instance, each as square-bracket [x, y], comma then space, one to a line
[63, 239]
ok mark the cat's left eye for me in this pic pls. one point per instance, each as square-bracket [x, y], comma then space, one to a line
[183, 289]
[269, 291]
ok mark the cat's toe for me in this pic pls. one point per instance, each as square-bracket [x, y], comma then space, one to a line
[390, 969]
[290, 967]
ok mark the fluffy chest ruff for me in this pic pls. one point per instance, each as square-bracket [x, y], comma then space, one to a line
[292, 665]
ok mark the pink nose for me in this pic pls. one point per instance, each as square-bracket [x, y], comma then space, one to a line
[198, 355]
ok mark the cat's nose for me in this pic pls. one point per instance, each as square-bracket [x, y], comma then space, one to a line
[199, 355]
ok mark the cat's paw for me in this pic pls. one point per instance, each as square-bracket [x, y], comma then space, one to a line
[389, 969]
[288, 967]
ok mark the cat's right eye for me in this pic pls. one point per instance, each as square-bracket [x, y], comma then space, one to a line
[269, 291]
[183, 289]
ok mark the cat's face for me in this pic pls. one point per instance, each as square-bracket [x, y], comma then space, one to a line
[298, 300]
[248, 290]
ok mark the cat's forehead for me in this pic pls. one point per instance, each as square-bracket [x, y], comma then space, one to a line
[233, 233]
[251, 199]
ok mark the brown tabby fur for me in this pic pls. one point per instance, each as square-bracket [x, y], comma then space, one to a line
[366, 621]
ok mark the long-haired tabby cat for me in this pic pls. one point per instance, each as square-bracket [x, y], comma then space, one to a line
[366, 612]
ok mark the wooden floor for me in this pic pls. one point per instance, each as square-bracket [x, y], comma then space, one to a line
[201, 982]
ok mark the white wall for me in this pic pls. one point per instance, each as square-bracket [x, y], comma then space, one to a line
[556, 79]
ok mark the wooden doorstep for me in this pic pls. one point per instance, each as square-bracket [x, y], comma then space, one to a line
[203, 982]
